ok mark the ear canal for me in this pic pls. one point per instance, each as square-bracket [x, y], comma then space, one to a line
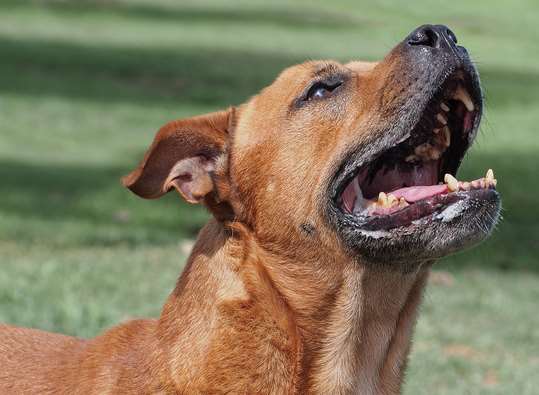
[191, 178]
[182, 156]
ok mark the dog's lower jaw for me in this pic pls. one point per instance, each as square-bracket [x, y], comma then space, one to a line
[260, 328]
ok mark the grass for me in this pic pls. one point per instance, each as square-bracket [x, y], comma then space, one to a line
[84, 85]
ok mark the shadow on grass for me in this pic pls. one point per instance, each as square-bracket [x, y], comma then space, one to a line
[131, 75]
[92, 196]
[156, 77]
[42, 199]
[297, 17]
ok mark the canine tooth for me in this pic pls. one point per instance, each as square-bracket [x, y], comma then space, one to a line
[489, 179]
[444, 107]
[447, 136]
[462, 95]
[441, 118]
[452, 182]
[382, 199]
[466, 186]
[490, 182]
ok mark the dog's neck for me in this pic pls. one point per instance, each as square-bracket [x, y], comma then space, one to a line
[355, 321]
[366, 337]
[347, 327]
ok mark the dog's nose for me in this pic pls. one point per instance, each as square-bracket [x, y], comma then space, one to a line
[434, 36]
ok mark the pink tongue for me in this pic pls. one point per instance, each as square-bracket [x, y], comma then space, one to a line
[413, 194]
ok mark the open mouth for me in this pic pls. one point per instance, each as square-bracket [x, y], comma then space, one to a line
[416, 178]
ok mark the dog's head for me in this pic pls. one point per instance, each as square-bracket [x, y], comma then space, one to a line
[347, 158]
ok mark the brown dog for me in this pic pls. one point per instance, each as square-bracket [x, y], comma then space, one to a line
[309, 276]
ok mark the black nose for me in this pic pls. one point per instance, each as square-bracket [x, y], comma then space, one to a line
[434, 36]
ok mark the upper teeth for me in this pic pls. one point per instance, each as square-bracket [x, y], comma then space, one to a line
[424, 151]
[462, 95]
[441, 118]
[433, 149]
[447, 137]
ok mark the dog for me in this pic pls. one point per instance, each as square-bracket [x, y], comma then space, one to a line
[333, 191]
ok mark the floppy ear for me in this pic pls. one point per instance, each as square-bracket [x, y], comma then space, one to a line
[183, 156]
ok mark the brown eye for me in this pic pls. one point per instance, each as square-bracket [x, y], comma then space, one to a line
[321, 90]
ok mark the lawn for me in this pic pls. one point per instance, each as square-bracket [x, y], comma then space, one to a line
[84, 85]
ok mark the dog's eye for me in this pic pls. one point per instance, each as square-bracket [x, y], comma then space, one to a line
[321, 90]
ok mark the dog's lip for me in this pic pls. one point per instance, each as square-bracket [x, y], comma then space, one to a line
[467, 77]
[351, 166]
[443, 207]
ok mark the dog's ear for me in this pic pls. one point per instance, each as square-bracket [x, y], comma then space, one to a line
[183, 156]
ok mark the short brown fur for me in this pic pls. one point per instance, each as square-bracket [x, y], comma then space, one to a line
[270, 300]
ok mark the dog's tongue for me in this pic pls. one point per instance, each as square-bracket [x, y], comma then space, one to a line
[415, 193]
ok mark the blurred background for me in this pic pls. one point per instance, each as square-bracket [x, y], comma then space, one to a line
[84, 85]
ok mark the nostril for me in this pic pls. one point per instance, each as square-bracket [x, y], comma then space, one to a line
[433, 36]
[425, 36]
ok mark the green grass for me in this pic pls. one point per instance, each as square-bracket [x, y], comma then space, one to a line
[84, 86]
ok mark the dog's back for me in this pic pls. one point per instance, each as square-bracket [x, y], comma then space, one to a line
[32, 359]
[38, 362]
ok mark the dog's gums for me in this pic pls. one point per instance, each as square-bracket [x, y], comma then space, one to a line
[413, 171]
[399, 197]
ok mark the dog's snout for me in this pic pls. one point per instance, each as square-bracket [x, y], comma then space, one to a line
[434, 36]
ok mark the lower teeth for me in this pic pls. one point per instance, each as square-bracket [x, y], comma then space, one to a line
[386, 201]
